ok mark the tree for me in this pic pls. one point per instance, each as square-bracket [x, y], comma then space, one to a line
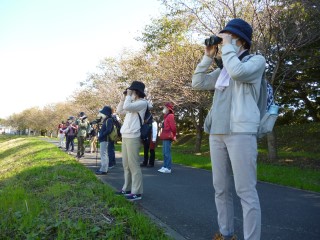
[101, 88]
[171, 64]
[281, 29]
[291, 27]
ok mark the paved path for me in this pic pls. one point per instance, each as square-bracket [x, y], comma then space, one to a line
[183, 203]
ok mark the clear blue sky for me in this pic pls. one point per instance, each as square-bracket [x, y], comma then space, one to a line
[48, 46]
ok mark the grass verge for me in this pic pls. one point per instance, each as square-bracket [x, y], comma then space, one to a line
[46, 194]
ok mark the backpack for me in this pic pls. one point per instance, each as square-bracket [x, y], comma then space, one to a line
[146, 126]
[89, 128]
[269, 113]
[268, 108]
[117, 124]
[113, 136]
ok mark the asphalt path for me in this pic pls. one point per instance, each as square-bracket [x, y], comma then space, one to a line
[183, 203]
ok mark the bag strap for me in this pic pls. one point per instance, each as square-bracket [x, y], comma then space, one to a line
[140, 119]
[245, 53]
[140, 116]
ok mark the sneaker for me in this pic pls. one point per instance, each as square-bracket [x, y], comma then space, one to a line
[110, 167]
[166, 170]
[100, 173]
[122, 192]
[134, 197]
[219, 236]
[161, 169]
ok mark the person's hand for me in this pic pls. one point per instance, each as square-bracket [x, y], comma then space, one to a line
[129, 92]
[174, 139]
[211, 51]
[226, 38]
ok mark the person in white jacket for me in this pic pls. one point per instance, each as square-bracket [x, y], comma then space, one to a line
[132, 104]
[233, 123]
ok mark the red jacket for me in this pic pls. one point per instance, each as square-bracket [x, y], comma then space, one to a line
[169, 124]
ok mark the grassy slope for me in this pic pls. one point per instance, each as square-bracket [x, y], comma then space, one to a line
[46, 194]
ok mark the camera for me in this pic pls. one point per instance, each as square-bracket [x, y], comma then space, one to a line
[96, 121]
[213, 40]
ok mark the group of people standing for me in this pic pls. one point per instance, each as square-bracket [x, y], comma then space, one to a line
[81, 129]
[132, 104]
[232, 124]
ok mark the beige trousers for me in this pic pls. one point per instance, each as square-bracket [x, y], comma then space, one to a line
[93, 144]
[131, 165]
[234, 157]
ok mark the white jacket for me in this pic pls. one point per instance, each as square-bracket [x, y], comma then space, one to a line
[131, 124]
[235, 109]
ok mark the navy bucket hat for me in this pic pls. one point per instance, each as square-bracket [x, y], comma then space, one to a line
[106, 111]
[240, 28]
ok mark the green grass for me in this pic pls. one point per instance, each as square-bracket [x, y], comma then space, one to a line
[46, 194]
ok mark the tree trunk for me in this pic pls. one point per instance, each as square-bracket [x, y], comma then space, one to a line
[199, 129]
[272, 147]
[198, 139]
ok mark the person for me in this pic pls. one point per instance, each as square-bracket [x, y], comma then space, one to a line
[111, 149]
[106, 129]
[70, 132]
[150, 145]
[167, 135]
[132, 104]
[233, 123]
[82, 123]
[61, 135]
[93, 138]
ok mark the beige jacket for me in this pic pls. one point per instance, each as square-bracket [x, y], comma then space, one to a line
[131, 124]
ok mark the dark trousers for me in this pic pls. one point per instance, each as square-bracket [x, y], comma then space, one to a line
[70, 140]
[80, 145]
[146, 159]
[111, 154]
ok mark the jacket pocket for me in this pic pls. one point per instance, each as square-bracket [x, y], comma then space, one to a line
[208, 122]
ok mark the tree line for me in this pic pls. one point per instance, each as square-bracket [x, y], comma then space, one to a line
[285, 32]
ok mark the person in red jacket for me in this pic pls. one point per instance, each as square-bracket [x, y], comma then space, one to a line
[168, 134]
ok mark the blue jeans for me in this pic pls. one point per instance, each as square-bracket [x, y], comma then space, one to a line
[104, 156]
[111, 154]
[166, 151]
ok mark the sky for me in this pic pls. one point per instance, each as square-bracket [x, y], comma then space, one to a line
[47, 47]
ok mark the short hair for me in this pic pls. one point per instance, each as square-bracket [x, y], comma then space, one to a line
[139, 94]
[245, 45]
